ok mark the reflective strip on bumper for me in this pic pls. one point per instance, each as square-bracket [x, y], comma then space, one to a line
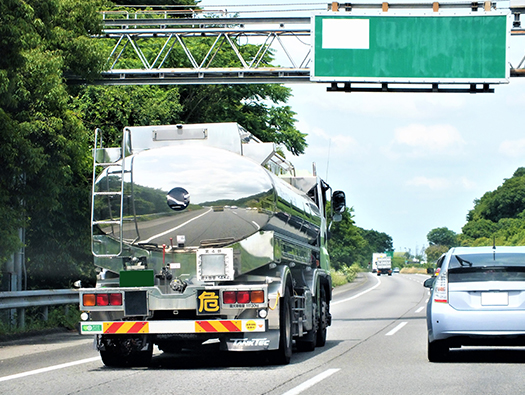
[174, 327]
[218, 326]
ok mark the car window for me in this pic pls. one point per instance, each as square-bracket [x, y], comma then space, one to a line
[486, 267]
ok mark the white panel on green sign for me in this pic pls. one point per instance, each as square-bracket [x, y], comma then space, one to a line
[424, 47]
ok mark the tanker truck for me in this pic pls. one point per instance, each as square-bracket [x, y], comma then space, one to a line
[204, 234]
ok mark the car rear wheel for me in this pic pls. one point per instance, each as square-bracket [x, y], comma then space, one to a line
[437, 351]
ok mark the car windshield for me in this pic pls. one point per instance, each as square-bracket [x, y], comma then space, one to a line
[487, 267]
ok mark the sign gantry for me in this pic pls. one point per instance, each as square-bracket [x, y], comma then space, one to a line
[450, 47]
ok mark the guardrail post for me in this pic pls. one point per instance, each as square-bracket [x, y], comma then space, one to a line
[21, 315]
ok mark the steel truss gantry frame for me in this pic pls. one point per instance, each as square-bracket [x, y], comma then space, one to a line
[287, 34]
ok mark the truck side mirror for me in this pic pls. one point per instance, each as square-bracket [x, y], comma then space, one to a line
[338, 205]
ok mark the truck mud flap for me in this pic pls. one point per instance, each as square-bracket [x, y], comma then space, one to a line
[251, 341]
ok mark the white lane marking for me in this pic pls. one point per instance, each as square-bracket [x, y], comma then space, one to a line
[48, 369]
[175, 228]
[420, 309]
[310, 383]
[401, 325]
[359, 294]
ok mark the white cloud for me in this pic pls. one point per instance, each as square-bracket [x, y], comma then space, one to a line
[467, 184]
[513, 148]
[430, 183]
[441, 183]
[424, 140]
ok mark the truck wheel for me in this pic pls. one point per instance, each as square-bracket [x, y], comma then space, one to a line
[283, 355]
[323, 320]
[118, 352]
[309, 341]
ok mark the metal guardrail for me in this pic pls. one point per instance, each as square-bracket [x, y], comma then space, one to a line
[46, 297]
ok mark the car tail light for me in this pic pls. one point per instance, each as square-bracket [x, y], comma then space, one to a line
[441, 288]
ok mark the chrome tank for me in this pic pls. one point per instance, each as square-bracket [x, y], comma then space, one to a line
[198, 196]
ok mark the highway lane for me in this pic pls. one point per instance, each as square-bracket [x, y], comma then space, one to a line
[376, 345]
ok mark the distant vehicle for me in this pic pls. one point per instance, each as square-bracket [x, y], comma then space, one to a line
[478, 299]
[382, 262]
[396, 270]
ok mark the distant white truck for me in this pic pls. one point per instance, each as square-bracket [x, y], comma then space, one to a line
[382, 262]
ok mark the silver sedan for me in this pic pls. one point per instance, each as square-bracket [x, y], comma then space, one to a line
[478, 299]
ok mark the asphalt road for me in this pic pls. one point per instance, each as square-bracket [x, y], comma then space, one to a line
[376, 345]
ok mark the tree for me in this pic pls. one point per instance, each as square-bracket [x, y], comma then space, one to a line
[377, 241]
[113, 108]
[345, 242]
[44, 153]
[434, 251]
[442, 236]
[507, 201]
[498, 216]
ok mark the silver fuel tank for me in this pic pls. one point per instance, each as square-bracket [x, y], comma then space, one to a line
[197, 196]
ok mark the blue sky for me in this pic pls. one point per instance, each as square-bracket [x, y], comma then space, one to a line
[411, 162]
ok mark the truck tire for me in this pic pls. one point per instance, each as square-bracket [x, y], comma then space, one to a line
[283, 355]
[121, 352]
[323, 320]
[309, 341]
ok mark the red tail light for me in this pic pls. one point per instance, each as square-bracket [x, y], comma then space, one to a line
[229, 297]
[102, 299]
[115, 299]
[243, 297]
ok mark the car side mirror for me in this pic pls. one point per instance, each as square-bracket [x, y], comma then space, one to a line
[429, 282]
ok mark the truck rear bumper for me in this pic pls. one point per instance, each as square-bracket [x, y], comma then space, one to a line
[172, 327]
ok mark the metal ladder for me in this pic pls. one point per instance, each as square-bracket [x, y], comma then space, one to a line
[120, 170]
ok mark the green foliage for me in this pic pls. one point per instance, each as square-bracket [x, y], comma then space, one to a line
[499, 216]
[345, 242]
[346, 274]
[58, 317]
[507, 201]
[248, 106]
[434, 251]
[442, 236]
[440, 241]
[113, 108]
[44, 151]
[46, 127]
[399, 260]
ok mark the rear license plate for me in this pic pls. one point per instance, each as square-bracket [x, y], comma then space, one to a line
[494, 298]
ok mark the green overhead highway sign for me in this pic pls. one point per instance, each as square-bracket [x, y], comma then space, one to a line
[411, 47]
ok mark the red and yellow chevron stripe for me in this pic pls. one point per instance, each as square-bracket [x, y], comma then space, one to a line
[218, 326]
[126, 327]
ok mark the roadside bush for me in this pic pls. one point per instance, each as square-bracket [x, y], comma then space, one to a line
[345, 274]
[58, 317]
